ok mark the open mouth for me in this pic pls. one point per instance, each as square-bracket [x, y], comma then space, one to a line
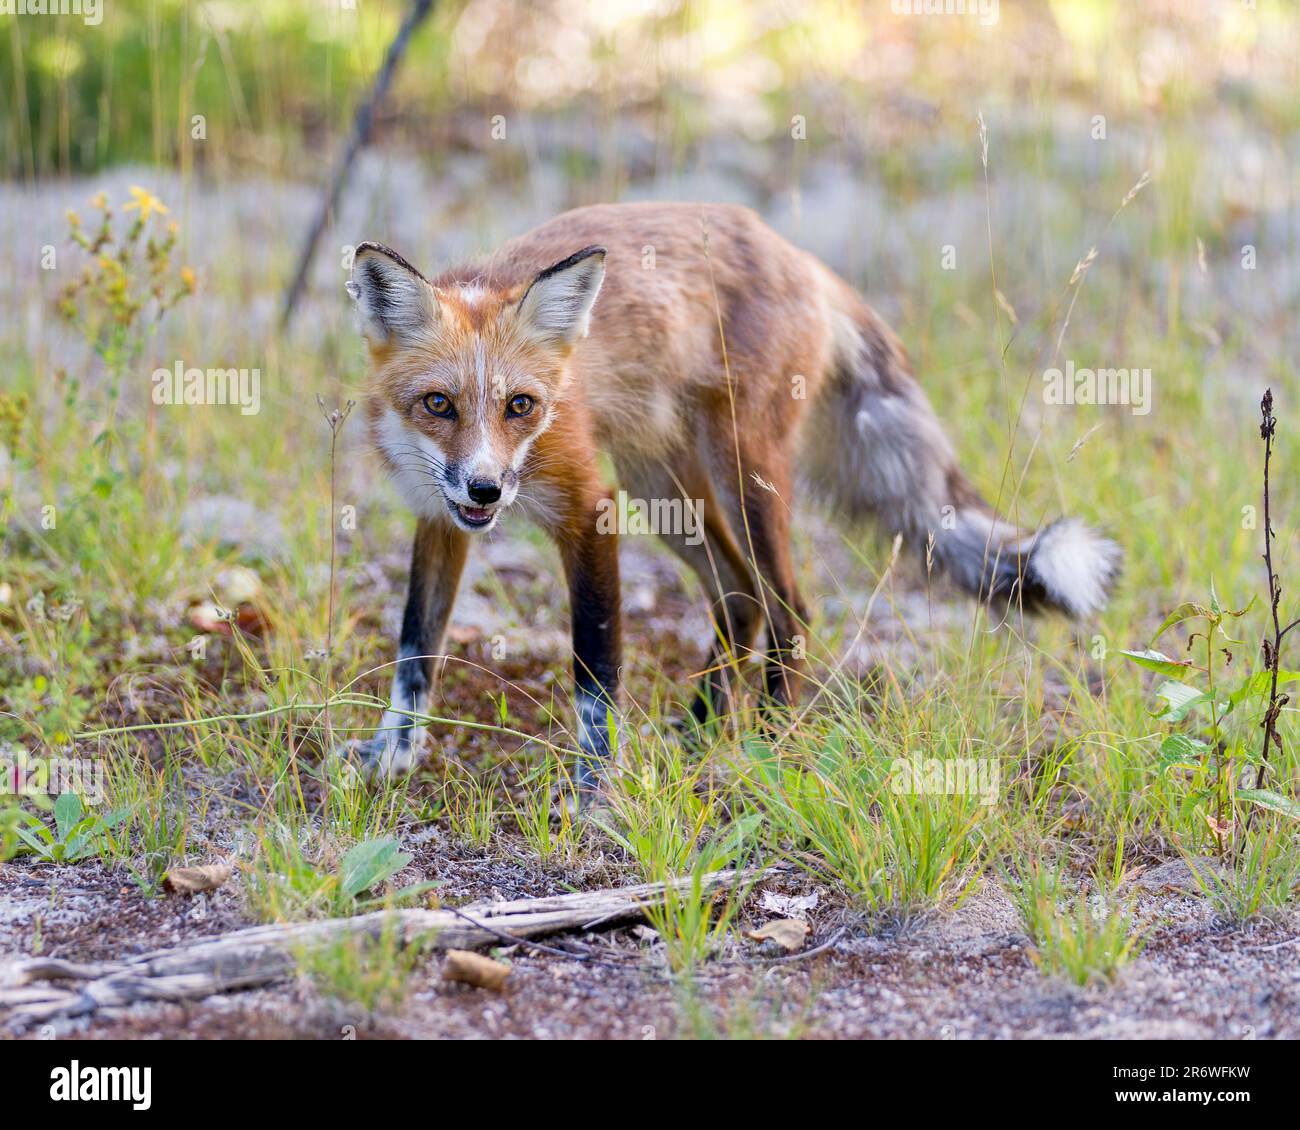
[474, 516]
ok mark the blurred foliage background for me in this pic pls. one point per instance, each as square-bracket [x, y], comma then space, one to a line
[277, 80]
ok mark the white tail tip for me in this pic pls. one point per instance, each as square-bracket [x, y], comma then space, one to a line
[1075, 567]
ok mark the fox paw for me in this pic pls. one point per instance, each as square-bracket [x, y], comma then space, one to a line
[591, 804]
[385, 756]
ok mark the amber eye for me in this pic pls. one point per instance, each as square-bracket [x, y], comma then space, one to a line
[438, 405]
[519, 405]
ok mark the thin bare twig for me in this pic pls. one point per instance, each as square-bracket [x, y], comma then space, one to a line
[335, 419]
[1272, 648]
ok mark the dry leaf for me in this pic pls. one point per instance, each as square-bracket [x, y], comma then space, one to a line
[788, 933]
[471, 968]
[217, 618]
[236, 585]
[234, 597]
[196, 880]
[788, 906]
[1220, 828]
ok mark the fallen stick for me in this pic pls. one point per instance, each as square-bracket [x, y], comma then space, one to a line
[260, 955]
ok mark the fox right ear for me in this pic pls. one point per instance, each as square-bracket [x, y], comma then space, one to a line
[557, 306]
[395, 300]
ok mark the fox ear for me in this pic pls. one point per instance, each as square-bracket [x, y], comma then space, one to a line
[557, 306]
[395, 300]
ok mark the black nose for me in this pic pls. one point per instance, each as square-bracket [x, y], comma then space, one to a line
[483, 491]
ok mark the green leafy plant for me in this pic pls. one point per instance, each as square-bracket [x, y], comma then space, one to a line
[10, 817]
[1214, 749]
[1198, 712]
[1195, 696]
[47, 704]
[285, 885]
[76, 834]
[368, 864]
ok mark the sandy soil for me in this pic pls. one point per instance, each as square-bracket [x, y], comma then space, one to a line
[964, 973]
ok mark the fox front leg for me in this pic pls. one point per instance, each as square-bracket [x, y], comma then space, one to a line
[437, 560]
[591, 566]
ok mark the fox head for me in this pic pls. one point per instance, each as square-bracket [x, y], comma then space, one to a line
[465, 378]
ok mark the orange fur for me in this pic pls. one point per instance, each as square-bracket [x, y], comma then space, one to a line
[715, 355]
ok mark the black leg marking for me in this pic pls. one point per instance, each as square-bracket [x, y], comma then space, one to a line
[436, 563]
[596, 614]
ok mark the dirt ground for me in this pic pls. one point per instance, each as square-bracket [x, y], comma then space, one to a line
[964, 973]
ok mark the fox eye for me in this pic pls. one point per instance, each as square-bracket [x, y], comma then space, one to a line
[438, 405]
[519, 405]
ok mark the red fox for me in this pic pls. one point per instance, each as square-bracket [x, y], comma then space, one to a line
[709, 359]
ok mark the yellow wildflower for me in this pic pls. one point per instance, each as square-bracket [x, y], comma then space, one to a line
[146, 202]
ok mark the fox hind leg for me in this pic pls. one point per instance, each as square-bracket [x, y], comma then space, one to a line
[704, 543]
[757, 503]
[737, 617]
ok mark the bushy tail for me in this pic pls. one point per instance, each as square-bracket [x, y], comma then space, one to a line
[874, 448]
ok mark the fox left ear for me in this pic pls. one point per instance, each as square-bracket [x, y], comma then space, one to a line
[557, 306]
[395, 300]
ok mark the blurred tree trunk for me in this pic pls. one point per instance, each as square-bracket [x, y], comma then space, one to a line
[362, 125]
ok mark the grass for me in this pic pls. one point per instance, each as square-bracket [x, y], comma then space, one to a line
[549, 829]
[95, 627]
[369, 971]
[667, 815]
[748, 1017]
[1080, 936]
[1260, 879]
[846, 810]
[155, 834]
[470, 806]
